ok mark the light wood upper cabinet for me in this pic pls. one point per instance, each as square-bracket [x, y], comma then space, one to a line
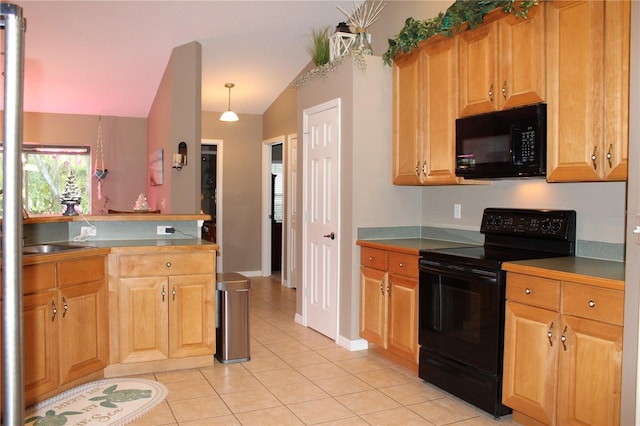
[588, 88]
[424, 113]
[502, 63]
[563, 351]
[407, 140]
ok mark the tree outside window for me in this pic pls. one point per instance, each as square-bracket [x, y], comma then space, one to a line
[45, 170]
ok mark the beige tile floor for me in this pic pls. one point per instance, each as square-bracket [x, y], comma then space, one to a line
[297, 376]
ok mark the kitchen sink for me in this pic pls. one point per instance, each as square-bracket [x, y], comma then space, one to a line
[49, 248]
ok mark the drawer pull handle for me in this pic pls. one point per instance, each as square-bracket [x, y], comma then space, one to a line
[564, 339]
[550, 335]
[592, 304]
[527, 290]
[64, 307]
[168, 264]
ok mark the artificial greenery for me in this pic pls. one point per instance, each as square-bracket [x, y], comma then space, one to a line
[471, 12]
[319, 49]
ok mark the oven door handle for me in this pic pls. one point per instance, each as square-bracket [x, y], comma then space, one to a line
[436, 320]
[461, 272]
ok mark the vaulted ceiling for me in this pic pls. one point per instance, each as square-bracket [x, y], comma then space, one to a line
[107, 57]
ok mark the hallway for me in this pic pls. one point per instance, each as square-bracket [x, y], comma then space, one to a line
[297, 376]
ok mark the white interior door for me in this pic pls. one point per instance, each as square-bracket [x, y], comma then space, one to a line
[291, 280]
[321, 233]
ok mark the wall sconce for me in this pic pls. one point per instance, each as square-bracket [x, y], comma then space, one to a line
[180, 159]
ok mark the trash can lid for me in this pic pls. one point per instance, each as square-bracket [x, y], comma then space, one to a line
[230, 281]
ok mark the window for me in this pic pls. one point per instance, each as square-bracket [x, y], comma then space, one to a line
[278, 191]
[45, 170]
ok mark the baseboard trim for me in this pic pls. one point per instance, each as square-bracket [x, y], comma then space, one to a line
[352, 345]
[299, 320]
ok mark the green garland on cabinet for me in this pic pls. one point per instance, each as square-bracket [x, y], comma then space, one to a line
[471, 12]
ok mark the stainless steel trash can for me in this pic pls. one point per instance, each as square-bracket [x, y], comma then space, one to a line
[232, 317]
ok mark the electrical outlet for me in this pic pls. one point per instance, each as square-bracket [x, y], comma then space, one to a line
[164, 230]
[457, 211]
[88, 231]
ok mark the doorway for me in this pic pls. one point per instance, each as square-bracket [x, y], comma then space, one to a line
[211, 194]
[272, 206]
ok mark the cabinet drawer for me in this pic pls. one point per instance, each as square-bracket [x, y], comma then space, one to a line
[162, 264]
[403, 264]
[83, 270]
[38, 277]
[600, 304]
[535, 291]
[373, 258]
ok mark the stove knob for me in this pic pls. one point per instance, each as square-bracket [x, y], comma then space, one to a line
[498, 221]
[556, 226]
[490, 222]
[545, 225]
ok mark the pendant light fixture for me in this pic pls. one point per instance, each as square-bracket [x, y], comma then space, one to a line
[229, 115]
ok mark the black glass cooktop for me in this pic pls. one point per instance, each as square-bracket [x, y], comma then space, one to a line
[482, 256]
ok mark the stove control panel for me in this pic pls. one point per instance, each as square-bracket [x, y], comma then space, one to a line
[535, 223]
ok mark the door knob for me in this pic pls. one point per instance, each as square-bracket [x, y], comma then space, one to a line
[331, 235]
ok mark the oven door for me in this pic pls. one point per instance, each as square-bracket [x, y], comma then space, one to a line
[462, 313]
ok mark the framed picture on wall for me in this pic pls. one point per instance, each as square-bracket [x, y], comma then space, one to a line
[156, 175]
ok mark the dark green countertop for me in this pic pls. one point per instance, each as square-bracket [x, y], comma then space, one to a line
[410, 245]
[603, 273]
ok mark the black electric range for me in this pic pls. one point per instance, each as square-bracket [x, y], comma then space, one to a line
[462, 300]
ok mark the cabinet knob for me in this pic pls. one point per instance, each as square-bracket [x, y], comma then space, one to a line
[527, 290]
[504, 90]
[592, 304]
[168, 264]
[370, 258]
[491, 93]
[609, 156]
[401, 265]
[594, 157]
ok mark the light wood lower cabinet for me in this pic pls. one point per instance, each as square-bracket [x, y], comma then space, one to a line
[166, 306]
[563, 351]
[65, 323]
[389, 301]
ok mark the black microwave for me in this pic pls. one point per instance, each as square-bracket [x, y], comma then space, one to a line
[503, 144]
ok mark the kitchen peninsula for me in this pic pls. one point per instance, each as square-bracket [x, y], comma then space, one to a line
[125, 301]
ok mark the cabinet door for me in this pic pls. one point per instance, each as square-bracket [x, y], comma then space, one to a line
[522, 69]
[531, 340]
[407, 139]
[478, 56]
[373, 306]
[144, 316]
[616, 89]
[403, 316]
[575, 59]
[440, 108]
[40, 344]
[83, 331]
[192, 326]
[590, 373]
